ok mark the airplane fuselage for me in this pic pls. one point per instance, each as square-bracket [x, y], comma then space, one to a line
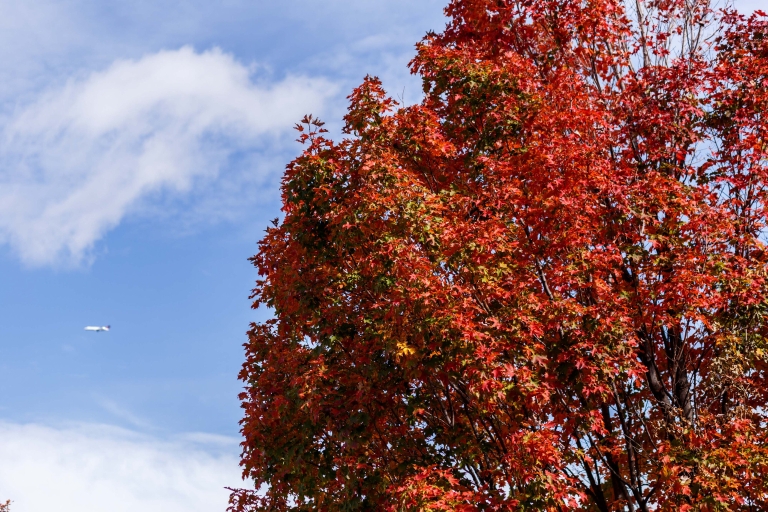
[95, 328]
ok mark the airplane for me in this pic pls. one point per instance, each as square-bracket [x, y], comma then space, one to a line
[95, 328]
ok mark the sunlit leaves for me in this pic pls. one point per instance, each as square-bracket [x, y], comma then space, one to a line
[541, 288]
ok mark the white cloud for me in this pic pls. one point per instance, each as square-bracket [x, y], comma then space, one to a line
[75, 162]
[748, 6]
[94, 468]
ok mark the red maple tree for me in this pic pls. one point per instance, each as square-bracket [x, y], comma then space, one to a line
[541, 288]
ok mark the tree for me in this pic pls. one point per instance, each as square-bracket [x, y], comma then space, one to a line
[541, 288]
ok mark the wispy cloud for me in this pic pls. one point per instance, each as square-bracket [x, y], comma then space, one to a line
[122, 413]
[94, 468]
[75, 162]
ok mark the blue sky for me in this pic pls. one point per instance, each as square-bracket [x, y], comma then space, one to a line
[141, 147]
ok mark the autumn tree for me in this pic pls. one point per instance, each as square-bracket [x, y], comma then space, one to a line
[541, 288]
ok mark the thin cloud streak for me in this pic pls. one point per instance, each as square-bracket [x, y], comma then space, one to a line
[81, 158]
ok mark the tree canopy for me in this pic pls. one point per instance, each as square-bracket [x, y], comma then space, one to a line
[541, 288]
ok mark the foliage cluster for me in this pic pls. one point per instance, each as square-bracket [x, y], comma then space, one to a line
[541, 288]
